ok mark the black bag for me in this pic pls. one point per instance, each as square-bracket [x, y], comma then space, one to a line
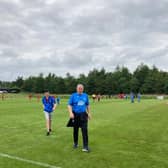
[71, 123]
[80, 120]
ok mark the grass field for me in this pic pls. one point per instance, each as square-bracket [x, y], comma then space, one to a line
[121, 134]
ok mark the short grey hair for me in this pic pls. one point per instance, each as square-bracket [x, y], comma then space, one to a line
[80, 85]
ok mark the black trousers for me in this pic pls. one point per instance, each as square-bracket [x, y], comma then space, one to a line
[81, 121]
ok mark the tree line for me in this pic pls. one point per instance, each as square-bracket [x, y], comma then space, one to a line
[144, 79]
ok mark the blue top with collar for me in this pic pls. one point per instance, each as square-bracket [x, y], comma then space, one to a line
[48, 103]
[79, 102]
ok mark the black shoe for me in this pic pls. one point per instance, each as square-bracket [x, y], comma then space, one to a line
[75, 146]
[50, 130]
[85, 149]
[48, 133]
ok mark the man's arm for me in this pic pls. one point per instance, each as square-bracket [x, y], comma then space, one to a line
[43, 103]
[70, 104]
[54, 102]
[71, 115]
[55, 105]
[88, 112]
[88, 108]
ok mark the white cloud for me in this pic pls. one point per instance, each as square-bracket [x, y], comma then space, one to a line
[63, 36]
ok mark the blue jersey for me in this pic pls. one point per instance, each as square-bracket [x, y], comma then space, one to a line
[132, 96]
[79, 102]
[48, 103]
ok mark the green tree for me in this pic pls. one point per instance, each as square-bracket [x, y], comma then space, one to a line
[29, 84]
[18, 83]
[134, 85]
[141, 74]
[70, 83]
[39, 84]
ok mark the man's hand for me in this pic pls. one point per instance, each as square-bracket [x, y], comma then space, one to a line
[71, 115]
[89, 116]
[54, 107]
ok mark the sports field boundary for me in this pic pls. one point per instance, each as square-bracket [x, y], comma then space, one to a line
[4, 155]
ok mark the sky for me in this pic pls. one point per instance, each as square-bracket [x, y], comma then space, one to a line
[75, 36]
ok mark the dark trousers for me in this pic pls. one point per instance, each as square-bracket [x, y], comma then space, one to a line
[81, 121]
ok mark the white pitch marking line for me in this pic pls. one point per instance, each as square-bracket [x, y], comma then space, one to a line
[28, 161]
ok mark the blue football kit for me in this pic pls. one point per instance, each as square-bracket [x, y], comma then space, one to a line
[48, 103]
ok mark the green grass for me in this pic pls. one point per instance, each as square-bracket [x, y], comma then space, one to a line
[121, 135]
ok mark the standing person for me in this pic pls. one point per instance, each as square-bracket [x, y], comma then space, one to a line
[30, 96]
[58, 100]
[139, 97]
[38, 98]
[79, 110]
[98, 97]
[132, 97]
[49, 105]
[3, 96]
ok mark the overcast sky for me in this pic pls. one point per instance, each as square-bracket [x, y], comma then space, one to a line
[75, 36]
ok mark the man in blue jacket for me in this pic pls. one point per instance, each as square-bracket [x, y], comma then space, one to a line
[49, 106]
[78, 107]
